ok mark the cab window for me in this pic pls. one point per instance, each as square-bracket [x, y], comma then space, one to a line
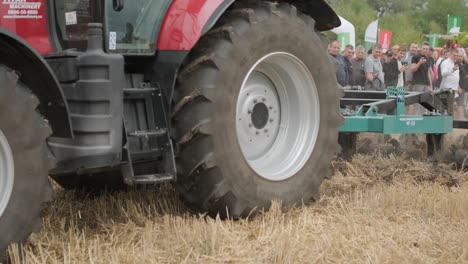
[134, 29]
[72, 17]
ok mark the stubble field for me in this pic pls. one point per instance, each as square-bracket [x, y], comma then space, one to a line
[375, 209]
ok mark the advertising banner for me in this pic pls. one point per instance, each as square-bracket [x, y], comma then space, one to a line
[385, 39]
[343, 39]
[346, 33]
[370, 37]
[454, 24]
[434, 40]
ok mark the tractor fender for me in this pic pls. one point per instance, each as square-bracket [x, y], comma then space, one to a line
[36, 74]
[324, 16]
[186, 21]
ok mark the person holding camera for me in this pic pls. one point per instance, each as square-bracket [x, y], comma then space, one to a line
[421, 68]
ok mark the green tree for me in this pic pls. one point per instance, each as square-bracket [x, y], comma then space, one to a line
[408, 19]
[462, 39]
[403, 28]
[358, 12]
[437, 11]
[385, 7]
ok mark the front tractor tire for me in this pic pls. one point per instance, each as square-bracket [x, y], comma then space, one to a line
[256, 112]
[24, 161]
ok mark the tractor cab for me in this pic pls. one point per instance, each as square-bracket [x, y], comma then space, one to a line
[130, 28]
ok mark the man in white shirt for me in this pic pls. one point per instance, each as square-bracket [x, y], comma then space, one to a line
[402, 67]
[445, 54]
[451, 78]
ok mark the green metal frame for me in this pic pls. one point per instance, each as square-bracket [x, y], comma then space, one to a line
[367, 119]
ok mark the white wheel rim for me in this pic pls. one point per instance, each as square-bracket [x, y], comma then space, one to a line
[7, 172]
[278, 116]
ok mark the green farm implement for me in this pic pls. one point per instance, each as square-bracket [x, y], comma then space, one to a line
[386, 113]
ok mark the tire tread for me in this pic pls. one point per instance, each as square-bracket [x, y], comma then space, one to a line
[194, 139]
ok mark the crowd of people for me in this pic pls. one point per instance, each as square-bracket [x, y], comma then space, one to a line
[419, 69]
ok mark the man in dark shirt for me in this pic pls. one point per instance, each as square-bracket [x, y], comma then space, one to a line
[341, 68]
[421, 68]
[391, 70]
[359, 74]
[348, 54]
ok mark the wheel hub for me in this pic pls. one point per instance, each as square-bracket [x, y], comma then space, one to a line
[260, 115]
[278, 116]
[7, 172]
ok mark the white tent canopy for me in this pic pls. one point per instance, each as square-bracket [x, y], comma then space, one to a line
[346, 27]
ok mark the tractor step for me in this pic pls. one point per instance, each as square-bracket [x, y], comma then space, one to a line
[148, 133]
[138, 168]
[139, 90]
[148, 153]
[153, 178]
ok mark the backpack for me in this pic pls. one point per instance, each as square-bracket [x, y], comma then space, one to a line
[439, 75]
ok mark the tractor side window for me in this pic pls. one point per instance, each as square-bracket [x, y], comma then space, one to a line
[134, 29]
[72, 18]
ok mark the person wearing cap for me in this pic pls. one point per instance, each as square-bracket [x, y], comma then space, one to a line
[391, 70]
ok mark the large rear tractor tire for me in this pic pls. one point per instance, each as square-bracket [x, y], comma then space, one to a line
[24, 161]
[256, 112]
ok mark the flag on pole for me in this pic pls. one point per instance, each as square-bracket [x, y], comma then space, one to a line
[385, 39]
[454, 24]
[343, 39]
[434, 39]
[370, 37]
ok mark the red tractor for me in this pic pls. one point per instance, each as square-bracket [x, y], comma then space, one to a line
[234, 101]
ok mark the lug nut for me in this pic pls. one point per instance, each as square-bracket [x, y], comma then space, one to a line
[250, 125]
[271, 107]
[271, 120]
[249, 112]
[266, 130]
[255, 101]
[263, 99]
[257, 133]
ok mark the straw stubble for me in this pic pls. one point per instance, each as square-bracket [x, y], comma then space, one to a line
[374, 209]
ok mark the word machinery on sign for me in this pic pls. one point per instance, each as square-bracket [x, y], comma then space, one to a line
[21, 9]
